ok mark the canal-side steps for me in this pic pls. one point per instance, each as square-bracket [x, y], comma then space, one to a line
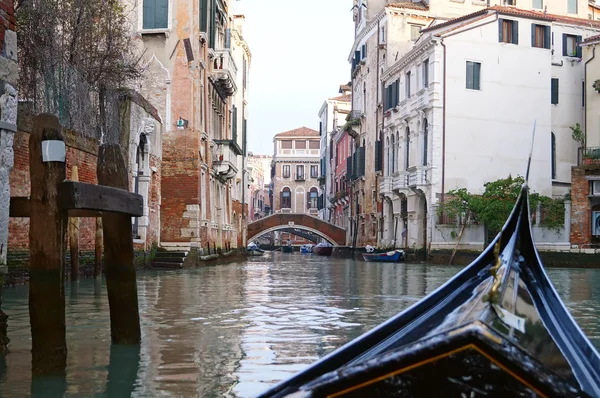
[169, 259]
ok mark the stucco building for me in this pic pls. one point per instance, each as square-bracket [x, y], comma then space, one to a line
[197, 65]
[295, 172]
[259, 170]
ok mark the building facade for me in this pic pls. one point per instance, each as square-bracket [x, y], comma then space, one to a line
[259, 170]
[295, 171]
[332, 116]
[197, 66]
[338, 196]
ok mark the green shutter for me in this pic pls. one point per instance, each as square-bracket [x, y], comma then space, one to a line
[149, 11]
[554, 91]
[515, 32]
[203, 16]
[162, 14]
[547, 37]
[564, 44]
[533, 26]
[155, 14]
[579, 49]
[469, 75]
[500, 29]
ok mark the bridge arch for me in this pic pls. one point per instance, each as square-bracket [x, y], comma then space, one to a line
[332, 233]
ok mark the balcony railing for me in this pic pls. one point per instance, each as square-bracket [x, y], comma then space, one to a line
[224, 72]
[418, 177]
[400, 181]
[591, 155]
[225, 160]
[385, 186]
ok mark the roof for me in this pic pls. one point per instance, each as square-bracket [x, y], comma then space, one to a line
[590, 40]
[299, 132]
[410, 5]
[345, 87]
[342, 98]
[517, 12]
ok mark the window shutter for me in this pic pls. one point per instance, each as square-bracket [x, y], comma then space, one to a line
[228, 38]
[579, 49]
[308, 200]
[500, 29]
[281, 200]
[476, 75]
[564, 44]
[515, 32]
[470, 83]
[397, 100]
[162, 14]
[554, 91]
[533, 28]
[547, 37]
[393, 95]
[357, 56]
[149, 9]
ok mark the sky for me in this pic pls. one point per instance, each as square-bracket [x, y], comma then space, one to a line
[299, 59]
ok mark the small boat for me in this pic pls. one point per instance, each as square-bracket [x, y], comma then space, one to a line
[306, 249]
[389, 257]
[254, 250]
[498, 328]
[323, 249]
[287, 249]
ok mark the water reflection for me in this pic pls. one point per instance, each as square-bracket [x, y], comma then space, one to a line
[234, 330]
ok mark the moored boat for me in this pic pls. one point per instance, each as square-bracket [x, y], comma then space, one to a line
[497, 328]
[254, 249]
[287, 249]
[305, 249]
[388, 257]
[323, 249]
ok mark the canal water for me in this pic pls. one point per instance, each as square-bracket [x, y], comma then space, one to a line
[234, 330]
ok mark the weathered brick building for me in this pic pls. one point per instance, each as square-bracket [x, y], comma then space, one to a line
[197, 64]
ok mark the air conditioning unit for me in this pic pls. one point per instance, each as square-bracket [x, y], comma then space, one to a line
[596, 188]
[596, 223]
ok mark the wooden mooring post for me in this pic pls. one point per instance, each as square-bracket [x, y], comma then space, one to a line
[74, 236]
[119, 266]
[47, 226]
[98, 249]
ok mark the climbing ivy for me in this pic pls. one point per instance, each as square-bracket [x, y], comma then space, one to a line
[493, 207]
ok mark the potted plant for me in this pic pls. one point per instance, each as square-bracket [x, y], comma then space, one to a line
[596, 85]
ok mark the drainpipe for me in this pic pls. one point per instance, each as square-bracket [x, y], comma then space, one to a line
[585, 79]
[444, 101]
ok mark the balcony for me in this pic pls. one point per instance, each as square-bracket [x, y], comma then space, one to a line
[417, 177]
[591, 155]
[400, 181]
[225, 159]
[385, 186]
[223, 72]
[353, 120]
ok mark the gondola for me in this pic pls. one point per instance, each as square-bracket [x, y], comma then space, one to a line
[496, 329]
[254, 250]
[287, 249]
[323, 249]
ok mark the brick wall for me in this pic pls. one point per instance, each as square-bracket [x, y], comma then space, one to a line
[7, 19]
[180, 185]
[581, 209]
[81, 156]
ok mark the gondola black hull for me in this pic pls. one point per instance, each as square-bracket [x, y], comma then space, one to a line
[498, 328]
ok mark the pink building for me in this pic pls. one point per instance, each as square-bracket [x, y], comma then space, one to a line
[339, 197]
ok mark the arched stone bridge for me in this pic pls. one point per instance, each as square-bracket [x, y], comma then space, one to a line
[280, 221]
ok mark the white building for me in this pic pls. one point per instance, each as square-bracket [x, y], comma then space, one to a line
[459, 110]
[332, 116]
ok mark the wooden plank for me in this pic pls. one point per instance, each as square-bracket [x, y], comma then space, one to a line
[83, 196]
[98, 249]
[47, 229]
[19, 207]
[119, 267]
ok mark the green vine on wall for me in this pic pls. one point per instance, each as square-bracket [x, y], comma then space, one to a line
[493, 207]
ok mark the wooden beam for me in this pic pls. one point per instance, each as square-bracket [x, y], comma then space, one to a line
[99, 198]
[19, 207]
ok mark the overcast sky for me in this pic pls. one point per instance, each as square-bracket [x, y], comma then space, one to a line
[299, 58]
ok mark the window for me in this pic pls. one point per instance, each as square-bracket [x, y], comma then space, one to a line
[508, 31]
[286, 198]
[540, 36]
[393, 157]
[314, 171]
[299, 172]
[553, 155]
[363, 51]
[426, 73]
[473, 75]
[313, 196]
[407, 149]
[425, 137]
[572, 6]
[415, 32]
[285, 171]
[571, 45]
[539, 4]
[300, 144]
[554, 91]
[287, 144]
[407, 84]
[582, 94]
[382, 35]
[156, 14]
[314, 144]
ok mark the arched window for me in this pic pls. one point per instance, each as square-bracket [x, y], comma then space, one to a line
[425, 138]
[553, 155]
[393, 170]
[313, 197]
[407, 151]
[286, 198]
